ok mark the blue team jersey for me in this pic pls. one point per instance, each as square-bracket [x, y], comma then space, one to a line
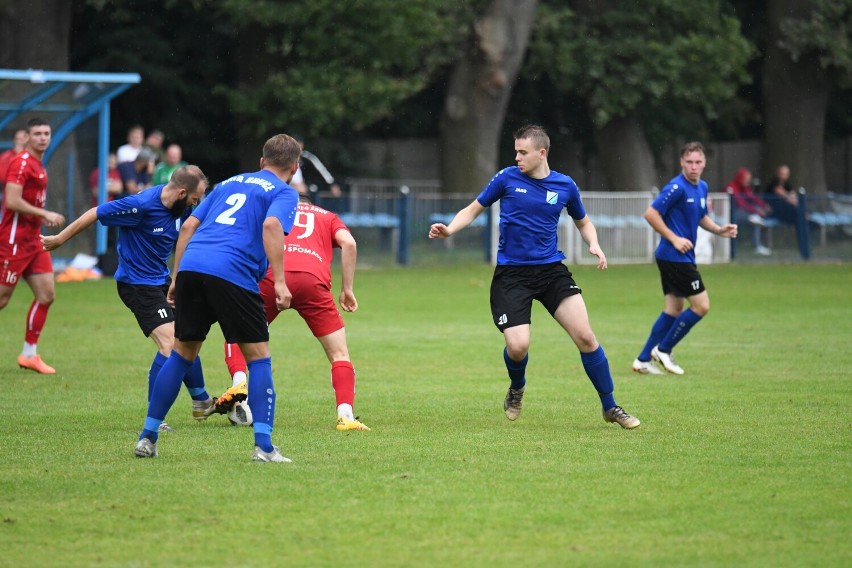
[148, 234]
[529, 214]
[682, 206]
[229, 241]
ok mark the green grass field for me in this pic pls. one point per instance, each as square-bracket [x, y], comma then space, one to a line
[744, 461]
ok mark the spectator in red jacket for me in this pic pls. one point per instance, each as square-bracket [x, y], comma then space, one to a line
[749, 207]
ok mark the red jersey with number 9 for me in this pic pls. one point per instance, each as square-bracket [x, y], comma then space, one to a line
[20, 231]
[309, 246]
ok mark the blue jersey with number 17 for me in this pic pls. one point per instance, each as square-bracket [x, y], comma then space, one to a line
[682, 205]
[529, 214]
[229, 241]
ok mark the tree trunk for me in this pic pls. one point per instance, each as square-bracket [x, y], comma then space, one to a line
[625, 156]
[795, 97]
[479, 91]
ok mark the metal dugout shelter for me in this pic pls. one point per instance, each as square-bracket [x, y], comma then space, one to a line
[66, 99]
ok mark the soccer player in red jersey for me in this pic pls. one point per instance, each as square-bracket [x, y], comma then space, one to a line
[21, 253]
[19, 141]
[307, 267]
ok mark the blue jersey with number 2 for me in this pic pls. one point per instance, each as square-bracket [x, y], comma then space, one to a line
[529, 214]
[229, 241]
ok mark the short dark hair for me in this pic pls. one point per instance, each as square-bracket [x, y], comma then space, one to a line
[37, 121]
[536, 134]
[692, 147]
[281, 151]
[188, 177]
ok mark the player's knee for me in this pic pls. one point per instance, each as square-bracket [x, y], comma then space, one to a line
[517, 351]
[586, 341]
[4, 300]
[45, 298]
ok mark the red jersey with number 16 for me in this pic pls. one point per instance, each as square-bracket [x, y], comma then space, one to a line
[308, 247]
[20, 231]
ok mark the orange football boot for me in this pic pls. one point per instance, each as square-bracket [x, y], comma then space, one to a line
[36, 364]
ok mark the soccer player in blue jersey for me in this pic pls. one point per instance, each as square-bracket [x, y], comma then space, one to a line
[149, 223]
[676, 213]
[529, 266]
[223, 251]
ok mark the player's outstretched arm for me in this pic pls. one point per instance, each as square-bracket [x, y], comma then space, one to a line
[462, 219]
[590, 235]
[84, 221]
[348, 257]
[728, 230]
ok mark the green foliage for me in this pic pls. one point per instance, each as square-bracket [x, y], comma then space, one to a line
[333, 66]
[659, 56]
[827, 33]
[744, 461]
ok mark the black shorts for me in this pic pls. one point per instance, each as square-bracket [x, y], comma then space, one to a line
[514, 288]
[148, 303]
[202, 300]
[680, 279]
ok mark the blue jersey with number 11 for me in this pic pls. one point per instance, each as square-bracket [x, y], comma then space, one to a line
[229, 241]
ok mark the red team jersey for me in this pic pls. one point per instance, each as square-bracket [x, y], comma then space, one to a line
[308, 247]
[19, 232]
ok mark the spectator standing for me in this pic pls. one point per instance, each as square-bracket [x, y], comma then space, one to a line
[154, 144]
[129, 151]
[529, 266]
[676, 213]
[21, 253]
[114, 185]
[172, 161]
[749, 207]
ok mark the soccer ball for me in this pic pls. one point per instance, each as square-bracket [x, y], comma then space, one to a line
[240, 414]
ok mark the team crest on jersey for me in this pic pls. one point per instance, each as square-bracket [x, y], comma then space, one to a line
[552, 197]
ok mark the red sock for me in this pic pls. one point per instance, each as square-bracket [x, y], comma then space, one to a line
[35, 321]
[343, 382]
[234, 359]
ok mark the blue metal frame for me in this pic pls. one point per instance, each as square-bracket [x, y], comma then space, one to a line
[49, 83]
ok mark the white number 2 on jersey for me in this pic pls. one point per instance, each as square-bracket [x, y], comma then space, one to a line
[306, 221]
[236, 201]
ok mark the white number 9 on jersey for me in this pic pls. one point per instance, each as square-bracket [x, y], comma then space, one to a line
[306, 221]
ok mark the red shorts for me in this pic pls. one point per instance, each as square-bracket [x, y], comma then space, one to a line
[13, 268]
[311, 299]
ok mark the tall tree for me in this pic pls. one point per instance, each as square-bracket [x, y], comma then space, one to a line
[479, 90]
[639, 66]
[326, 68]
[809, 49]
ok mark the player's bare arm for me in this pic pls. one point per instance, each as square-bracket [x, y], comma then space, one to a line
[658, 224]
[186, 231]
[273, 245]
[348, 257]
[590, 235]
[728, 230]
[84, 221]
[15, 202]
[462, 219]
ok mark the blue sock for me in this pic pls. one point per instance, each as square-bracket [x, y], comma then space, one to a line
[261, 399]
[156, 365]
[680, 328]
[597, 368]
[194, 381]
[658, 331]
[164, 394]
[517, 369]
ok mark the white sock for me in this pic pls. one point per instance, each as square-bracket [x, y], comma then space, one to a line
[29, 350]
[345, 410]
[239, 377]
